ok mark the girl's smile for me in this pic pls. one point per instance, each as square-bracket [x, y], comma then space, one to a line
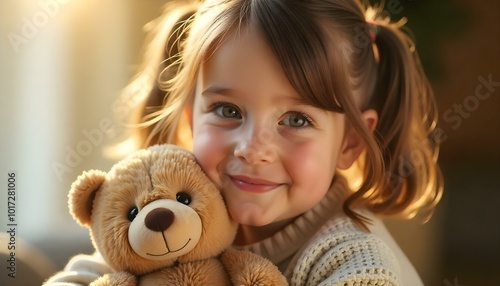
[255, 185]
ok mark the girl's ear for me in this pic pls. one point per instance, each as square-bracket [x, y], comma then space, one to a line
[354, 144]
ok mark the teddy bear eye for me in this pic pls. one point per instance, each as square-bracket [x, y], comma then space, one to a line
[183, 198]
[133, 212]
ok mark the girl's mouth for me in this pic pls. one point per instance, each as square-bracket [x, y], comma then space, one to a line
[254, 185]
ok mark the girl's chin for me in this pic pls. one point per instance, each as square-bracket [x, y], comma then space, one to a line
[259, 219]
[250, 217]
[250, 220]
[255, 229]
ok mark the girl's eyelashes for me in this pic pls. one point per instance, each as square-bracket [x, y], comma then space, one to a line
[296, 119]
[226, 110]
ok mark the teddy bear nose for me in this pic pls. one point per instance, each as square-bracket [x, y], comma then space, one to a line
[159, 219]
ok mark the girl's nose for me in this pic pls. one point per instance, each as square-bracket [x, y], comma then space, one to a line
[256, 148]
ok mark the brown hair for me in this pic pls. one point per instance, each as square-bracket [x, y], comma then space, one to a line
[316, 42]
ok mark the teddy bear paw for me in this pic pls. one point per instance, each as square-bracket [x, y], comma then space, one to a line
[116, 279]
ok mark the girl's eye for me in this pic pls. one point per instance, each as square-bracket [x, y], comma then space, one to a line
[227, 111]
[296, 120]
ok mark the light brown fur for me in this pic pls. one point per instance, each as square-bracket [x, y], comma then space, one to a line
[147, 179]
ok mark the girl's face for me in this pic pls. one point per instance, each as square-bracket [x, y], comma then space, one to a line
[272, 155]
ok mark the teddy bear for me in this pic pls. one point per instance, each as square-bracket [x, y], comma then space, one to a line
[157, 219]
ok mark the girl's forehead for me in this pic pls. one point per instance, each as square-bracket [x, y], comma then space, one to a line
[244, 60]
[243, 45]
[242, 48]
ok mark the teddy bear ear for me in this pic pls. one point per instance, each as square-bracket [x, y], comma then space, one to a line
[82, 193]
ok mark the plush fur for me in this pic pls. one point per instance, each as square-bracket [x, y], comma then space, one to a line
[180, 231]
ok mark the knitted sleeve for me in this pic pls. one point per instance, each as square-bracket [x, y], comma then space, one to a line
[80, 270]
[343, 254]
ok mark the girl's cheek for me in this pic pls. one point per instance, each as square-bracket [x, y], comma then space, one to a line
[207, 145]
[207, 138]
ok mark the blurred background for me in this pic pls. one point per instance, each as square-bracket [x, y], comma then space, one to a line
[63, 63]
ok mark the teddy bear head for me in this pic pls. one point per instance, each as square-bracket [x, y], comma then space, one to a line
[153, 209]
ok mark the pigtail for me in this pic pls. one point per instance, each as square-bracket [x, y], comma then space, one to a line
[142, 100]
[410, 179]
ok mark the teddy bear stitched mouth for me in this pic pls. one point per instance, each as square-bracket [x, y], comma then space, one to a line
[168, 250]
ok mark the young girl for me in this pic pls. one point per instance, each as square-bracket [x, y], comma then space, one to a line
[313, 117]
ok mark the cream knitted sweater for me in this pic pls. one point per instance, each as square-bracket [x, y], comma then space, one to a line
[321, 247]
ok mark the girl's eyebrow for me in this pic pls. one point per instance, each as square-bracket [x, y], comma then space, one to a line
[219, 90]
[215, 89]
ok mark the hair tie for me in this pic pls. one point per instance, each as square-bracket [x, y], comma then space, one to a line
[373, 30]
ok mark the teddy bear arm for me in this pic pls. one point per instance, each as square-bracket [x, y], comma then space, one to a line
[116, 279]
[247, 268]
[206, 272]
